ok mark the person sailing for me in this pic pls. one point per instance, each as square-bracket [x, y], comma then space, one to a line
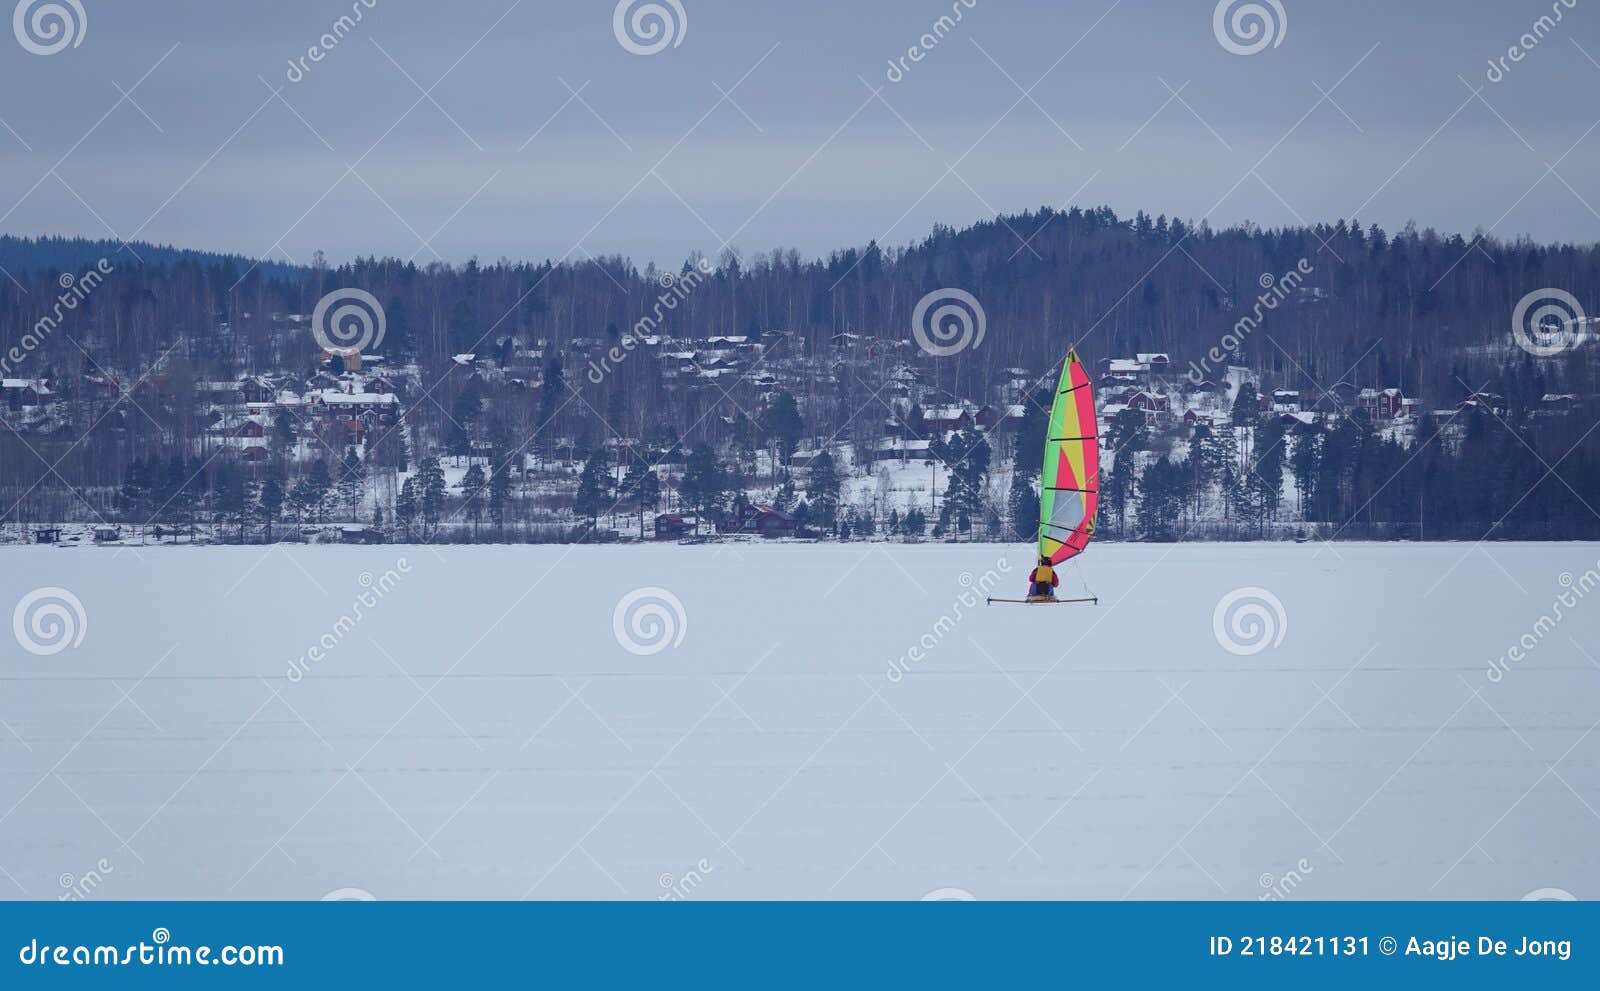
[1043, 582]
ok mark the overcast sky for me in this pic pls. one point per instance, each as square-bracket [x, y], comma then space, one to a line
[1017, 105]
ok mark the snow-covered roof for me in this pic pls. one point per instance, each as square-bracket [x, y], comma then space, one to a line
[333, 398]
[1155, 358]
[1124, 366]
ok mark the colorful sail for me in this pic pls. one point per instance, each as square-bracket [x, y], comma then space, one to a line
[1070, 485]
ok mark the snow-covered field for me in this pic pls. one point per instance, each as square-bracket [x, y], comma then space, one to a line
[483, 731]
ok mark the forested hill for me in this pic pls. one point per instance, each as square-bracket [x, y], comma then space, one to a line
[1369, 342]
[26, 255]
[1416, 310]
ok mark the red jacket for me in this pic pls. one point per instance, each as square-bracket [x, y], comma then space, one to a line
[1055, 579]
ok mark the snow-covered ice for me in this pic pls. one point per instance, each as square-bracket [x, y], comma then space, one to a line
[482, 730]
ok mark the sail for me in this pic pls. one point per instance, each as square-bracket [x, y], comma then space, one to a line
[1070, 485]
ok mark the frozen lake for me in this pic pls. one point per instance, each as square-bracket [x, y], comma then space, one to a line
[483, 729]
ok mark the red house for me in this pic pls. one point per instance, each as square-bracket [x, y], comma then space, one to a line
[763, 520]
[999, 418]
[671, 526]
[257, 390]
[1149, 402]
[1385, 404]
[953, 418]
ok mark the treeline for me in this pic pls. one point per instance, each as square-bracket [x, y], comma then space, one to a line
[1426, 312]
[1475, 476]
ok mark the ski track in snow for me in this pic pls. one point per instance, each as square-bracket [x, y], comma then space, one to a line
[481, 732]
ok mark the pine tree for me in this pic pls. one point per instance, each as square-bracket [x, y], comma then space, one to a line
[1267, 470]
[352, 480]
[430, 495]
[1028, 446]
[785, 425]
[648, 495]
[270, 503]
[282, 433]
[181, 497]
[473, 487]
[319, 483]
[406, 505]
[1022, 508]
[1161, 500]
[702, 481]
[463, 416]
[136, 489]
[398, 342]
[552, 396]
[823, 489]
[499, 489]
[232, 496]
[594, 487]
[784, 498]
[967, 459]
